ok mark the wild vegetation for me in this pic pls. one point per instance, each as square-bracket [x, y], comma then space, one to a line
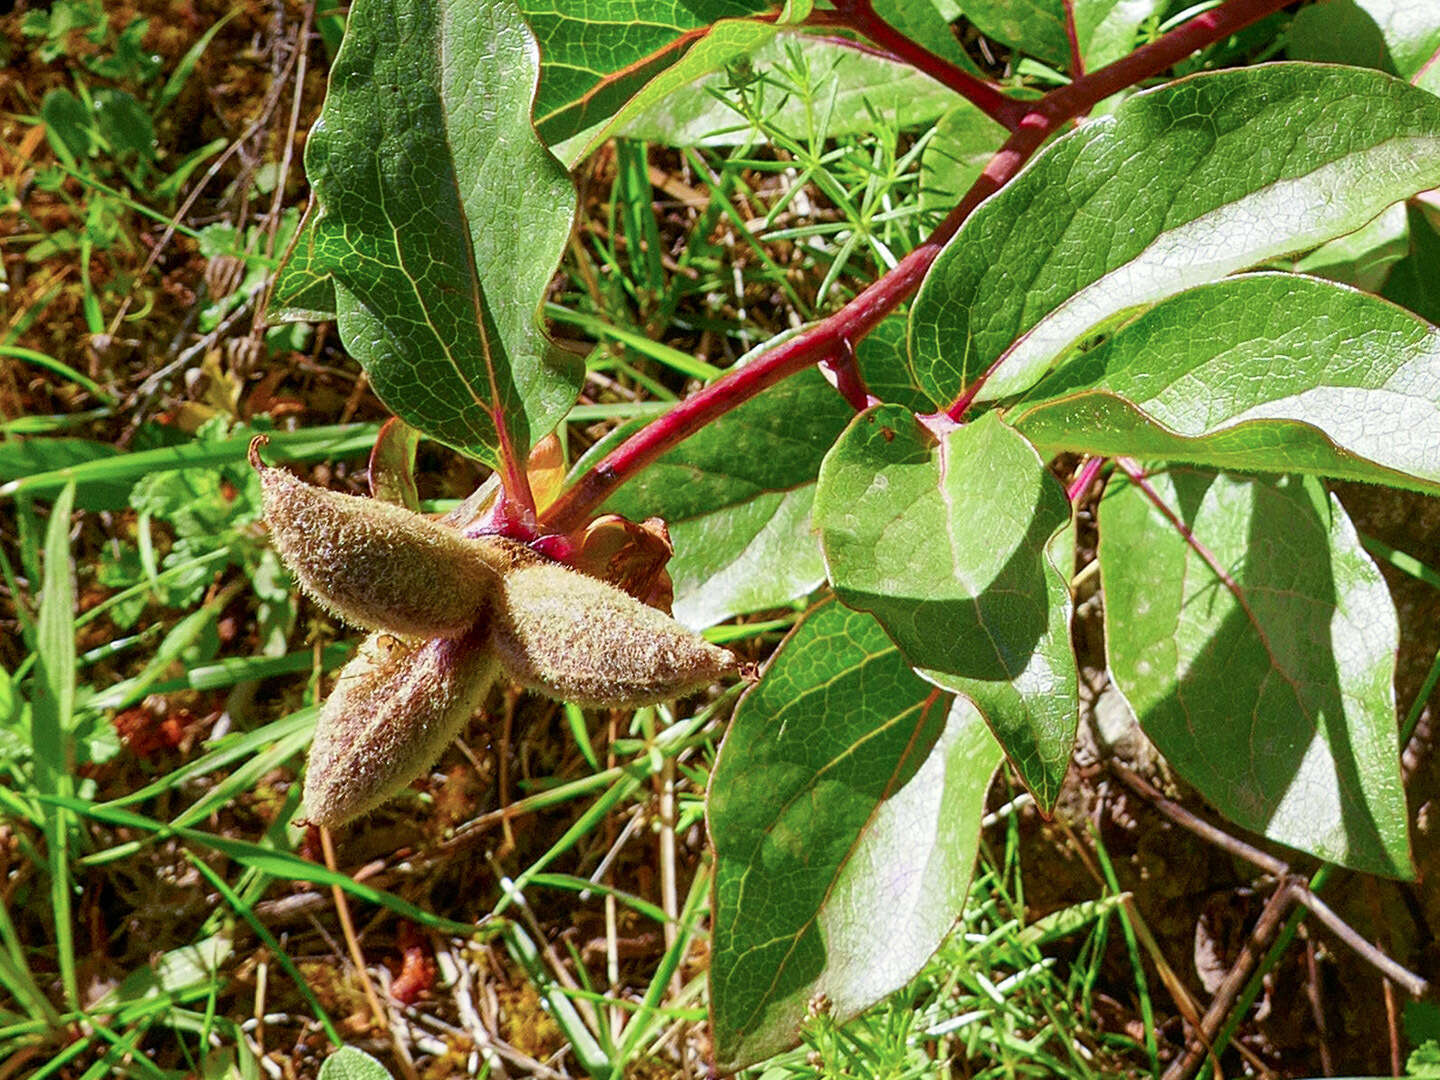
[1035, 408]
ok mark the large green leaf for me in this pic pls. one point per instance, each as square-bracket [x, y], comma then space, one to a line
[944, 540]
[1397, 36]
[1180, 185]
[842, 86]
[443, 218]
[1278, 703]
[737, 494]
[599, 53]
[845, 811]
[1414, 281]
[965, 140]
[1263, 372]
[1104, 29]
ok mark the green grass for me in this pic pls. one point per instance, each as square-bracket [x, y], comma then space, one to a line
[994, 1001]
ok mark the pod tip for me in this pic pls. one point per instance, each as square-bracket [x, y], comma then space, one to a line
[253, 453]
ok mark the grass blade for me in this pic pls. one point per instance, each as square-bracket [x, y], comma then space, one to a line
[54, 708]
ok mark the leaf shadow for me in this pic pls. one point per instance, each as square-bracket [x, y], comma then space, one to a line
[991, 635]
[1288, 767]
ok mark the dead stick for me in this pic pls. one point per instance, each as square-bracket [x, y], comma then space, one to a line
[1407, 980]
[1186, 820]
[1317, 1006]
[1200, 1043]
[1412, 984]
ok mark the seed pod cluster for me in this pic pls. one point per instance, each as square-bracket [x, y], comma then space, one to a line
[452, 613]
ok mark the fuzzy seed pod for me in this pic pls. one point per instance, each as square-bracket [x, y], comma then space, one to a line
[393, 709]
[376, 565]
[579, 639]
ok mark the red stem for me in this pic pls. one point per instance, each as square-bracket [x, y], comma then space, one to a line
[515, 494]
[1077, 62]
[860, 16]
[842, 371]
[852, 322]
[1081, 484]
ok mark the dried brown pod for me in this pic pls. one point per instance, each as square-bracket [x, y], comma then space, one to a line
[376, 565]
[578, 639]
[393, 709]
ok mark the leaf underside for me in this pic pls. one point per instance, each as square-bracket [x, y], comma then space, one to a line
[1261, 372]
[844, 809]
[1181, 185]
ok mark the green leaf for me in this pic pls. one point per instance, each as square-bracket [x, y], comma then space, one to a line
[1278, 703]
[102, 474]
[21, 458]
[52, 720]
[1397, 36]
[737, 495]
[964, 142]
[841, 87]
[647, 113]
[69, 127]
[392, 465]
[186, 67]
[1180, 185]
[1105, 29]
[1414, 281]
[885, 365]
[1263, 372]
[174, 975]
[944, 540]
[442, 220]
[1365, 257]
[1109, 29]
[303, 290]
[923, 23]
[845, 809]
[201, 503]
[54, 700]
[124, 123]
[598, 54]
[1036, 27]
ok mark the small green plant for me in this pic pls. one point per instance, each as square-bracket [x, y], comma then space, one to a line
[102, 131]
[1092, 304]
[932, 332]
